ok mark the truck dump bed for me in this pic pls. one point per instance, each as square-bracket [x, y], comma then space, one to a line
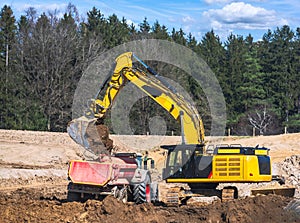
[91, 173]
[117, 170]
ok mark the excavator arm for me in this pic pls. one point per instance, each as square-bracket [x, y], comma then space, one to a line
[155, 87]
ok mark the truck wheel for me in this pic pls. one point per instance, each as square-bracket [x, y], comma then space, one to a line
[123, 195]
[73, 196]
[142, 191]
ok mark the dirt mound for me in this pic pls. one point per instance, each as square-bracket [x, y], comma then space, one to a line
[256, 209]
[43, 205]
[291, 170]
[112, 210]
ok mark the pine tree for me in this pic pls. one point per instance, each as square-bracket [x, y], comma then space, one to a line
[252, 90]
[213, 53]
[95, 21]
[144, 26]
[159, 32]
[116, 32]
[235, 57]
[292, 119]
[178, 37]
[8, 83]
[276, 59]
[92, 35]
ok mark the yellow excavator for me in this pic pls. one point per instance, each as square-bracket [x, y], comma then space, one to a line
[190, 162]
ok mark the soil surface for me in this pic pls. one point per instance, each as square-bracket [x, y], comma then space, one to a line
[49, 205]
[33, 183]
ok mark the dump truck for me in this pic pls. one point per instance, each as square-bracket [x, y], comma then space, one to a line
[119, 175]
[192, 162]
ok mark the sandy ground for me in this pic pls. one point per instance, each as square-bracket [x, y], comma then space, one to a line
[33, 180]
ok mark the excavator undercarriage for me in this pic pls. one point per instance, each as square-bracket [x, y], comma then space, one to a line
[176, 196]
[228, 164]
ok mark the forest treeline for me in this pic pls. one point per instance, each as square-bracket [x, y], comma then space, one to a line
[42, 57]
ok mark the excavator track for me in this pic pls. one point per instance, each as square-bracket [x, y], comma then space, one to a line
[229, 193]
[173, 196]
[177, 196]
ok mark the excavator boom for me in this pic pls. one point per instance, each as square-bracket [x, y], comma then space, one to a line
[151, 83]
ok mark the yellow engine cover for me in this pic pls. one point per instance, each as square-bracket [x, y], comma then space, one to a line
[238, 168]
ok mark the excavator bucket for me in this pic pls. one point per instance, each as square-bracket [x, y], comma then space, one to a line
[92, 136]
[77, 130]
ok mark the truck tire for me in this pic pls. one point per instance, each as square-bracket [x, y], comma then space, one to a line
[142, 191]
[123, 195]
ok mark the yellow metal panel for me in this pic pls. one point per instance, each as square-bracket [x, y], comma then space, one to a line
[261, 152]
[251, 168]
[228, 151]
[221, 164]
[124, 60]
[251, 171]
[234, 169]
[221, 169]
[228, 167]
[234, 174]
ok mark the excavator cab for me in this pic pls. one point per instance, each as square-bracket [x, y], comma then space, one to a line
[182, 161]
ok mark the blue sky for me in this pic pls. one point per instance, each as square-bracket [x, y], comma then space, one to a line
[195, 16]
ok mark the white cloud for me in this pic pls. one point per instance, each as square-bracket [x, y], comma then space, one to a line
[217, 1]
[188, 19]
[228, 1]
[187, 24]
[42, 7]
[240, 15]
[216, 25]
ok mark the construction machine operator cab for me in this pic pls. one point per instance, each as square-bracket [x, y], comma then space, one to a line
[180, 160]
